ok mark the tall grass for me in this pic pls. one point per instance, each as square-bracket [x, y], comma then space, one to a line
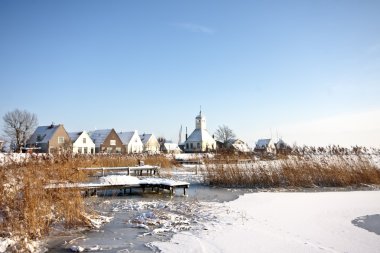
[28, 210]
[337, 172]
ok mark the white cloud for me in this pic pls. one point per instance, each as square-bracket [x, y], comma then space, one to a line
[195, 28]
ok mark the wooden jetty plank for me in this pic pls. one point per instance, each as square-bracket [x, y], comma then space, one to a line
[159, 183]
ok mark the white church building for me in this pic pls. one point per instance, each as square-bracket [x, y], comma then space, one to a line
[200, 139]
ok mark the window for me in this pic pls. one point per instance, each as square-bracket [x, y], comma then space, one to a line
[187, 145]
[85, 151]
[118, 150]
[84, 140]
[113, 142]
[80, 150]
[109, 150]
[191, 145]
[92, 150]
[198, 145]
[61, 140]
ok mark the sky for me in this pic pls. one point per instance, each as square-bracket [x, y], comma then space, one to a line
[305, 71]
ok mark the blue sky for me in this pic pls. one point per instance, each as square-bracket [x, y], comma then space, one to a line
[307, 70]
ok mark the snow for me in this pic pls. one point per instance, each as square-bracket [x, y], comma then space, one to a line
[5, 243]
[199, 135]
[99, 136]
[145, 138]
[74, 135]
[119, 180]
[45, 133]
[126, 137]
[286, 222]
[97, 220]
[263, 143]
[162, 181]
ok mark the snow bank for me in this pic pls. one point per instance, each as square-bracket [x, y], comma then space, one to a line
[119, 180]
[286, 222]
[5, 243]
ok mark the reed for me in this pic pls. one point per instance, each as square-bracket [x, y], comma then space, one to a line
[335, 172]
[28, 210]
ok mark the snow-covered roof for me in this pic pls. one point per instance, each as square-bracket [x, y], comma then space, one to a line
[126, 137]
[199, 135]
[74, 136]
[170, 146]
[145, 138]
[99, 136]
[43, 134]
[263, 143]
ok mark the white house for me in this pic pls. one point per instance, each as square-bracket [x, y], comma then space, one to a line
[132, 142]
[200, 139]
[82, 143]
[265, 145]
[238, 145]
[171, 148]
[150, 142]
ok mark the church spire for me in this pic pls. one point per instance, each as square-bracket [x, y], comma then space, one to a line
[200, 121]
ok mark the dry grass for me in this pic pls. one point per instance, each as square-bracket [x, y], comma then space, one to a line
[28, 210]
[338, 172]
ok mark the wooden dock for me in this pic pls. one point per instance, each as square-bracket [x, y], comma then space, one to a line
[124, 179]
[134, 170]
[147, 183]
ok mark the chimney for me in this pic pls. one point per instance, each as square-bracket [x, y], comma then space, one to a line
[186, 134]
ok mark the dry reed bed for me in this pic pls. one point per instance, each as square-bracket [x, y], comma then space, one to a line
[336, 172]
[28, 210]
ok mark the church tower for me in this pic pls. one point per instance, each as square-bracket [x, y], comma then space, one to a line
[200, 121]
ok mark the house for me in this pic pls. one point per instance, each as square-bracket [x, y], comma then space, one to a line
[150, 142]
[49, 139]
[82, 143]
[238, 145]
[200, 139]
[170, 148]
[131, 142]
[265, 146]
[107, 141]
[282, 147]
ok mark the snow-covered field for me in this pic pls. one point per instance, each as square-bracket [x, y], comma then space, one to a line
[286, 222]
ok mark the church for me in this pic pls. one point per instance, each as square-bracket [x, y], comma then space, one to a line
[200, 139]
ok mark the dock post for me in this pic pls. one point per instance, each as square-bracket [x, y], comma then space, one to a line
[103, 172]
[184, 191]
[130, 190]
[172, 190]
[129, 173]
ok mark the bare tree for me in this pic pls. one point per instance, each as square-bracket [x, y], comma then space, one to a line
[224, 134]
[19, 126]
[161, 140]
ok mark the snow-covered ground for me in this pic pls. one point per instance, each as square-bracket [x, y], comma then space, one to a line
[286, 222]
